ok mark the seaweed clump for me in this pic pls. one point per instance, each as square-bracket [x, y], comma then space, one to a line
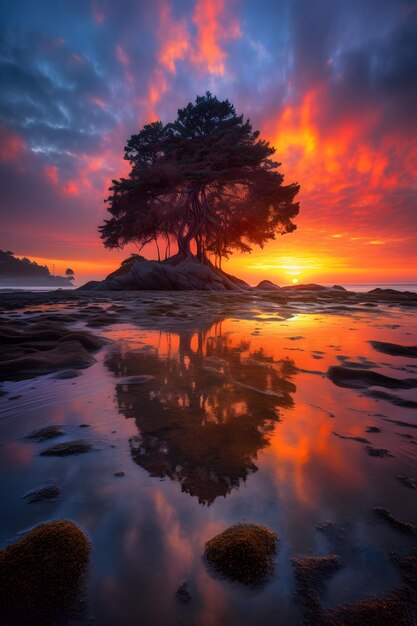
[40, 574]
[243, 553]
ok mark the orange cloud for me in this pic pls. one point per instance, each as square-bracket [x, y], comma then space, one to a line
[173, 37]
[212, 30]
[204, 49]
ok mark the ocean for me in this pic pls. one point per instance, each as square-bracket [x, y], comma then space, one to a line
[359, 287]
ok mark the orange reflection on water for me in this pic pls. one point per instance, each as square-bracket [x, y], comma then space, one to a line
[208, 400]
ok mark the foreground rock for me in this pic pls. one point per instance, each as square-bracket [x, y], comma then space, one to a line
[78, 446]
[394, 349]
[42, 346]
[311, 573]
[243, 552]
[362, 379]
[45, 433]
[404, 527]
[395, 608]
[48, 492]
[40, 574]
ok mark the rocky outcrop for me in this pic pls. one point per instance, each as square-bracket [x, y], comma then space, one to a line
[267, 285]
[174, 274]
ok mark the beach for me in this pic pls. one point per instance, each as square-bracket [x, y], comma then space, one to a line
[294, 409]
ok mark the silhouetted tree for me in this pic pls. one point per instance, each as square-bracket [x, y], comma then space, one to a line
[205, 182]
[70, 273]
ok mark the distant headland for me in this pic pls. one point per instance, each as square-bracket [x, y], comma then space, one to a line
[15, 272]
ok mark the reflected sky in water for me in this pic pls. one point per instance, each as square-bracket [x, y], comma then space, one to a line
[213, 423]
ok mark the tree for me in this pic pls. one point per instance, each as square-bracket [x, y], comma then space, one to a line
[69, 273]
[205, 182]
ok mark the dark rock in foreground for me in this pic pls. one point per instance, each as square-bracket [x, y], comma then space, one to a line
[311, 571]
[404, 527]
[407, 481]
[71, 354]
[45, 433]
[394, 349]
[377, 452]
[362, 379]
[49, 492]
[40, 574]
[351, 438]
[43, 345]
[243, 552]
[78, 446]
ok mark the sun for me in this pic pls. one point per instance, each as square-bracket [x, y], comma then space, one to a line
[294, 281]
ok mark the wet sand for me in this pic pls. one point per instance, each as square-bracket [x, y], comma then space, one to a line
[170, 417]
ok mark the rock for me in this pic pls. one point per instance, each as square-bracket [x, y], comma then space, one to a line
[47, 432]
[78, 446]
[378, 452]
[407, 481]
[310, 571]
[49, 492]
[404, 527]
[90, 342]
[174, 274]
[40, 574]
[308, 287]
[362, 379]
[243, 552]
[66, 374]
[400, 422]
[71, 354]
[394, 349]
[91, 285]
[351, 438]
[390, 397]
[182, 592]
[267, 285]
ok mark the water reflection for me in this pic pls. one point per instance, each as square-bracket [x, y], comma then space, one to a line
[204, 405]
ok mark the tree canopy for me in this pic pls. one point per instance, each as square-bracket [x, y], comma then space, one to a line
[205, 183]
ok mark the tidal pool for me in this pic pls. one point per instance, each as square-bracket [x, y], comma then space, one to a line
[214, 419]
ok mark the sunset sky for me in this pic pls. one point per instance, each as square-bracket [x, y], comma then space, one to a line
[332, 84]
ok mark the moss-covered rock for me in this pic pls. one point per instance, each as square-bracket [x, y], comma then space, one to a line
[243, 552]
[40, 573]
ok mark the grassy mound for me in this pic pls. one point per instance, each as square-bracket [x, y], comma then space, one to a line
[243, 552]
[41, 572]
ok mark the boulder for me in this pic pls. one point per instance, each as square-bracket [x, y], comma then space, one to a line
[40, 574]
[243, 552]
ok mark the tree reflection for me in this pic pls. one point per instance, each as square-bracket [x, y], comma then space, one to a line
[203, 411]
